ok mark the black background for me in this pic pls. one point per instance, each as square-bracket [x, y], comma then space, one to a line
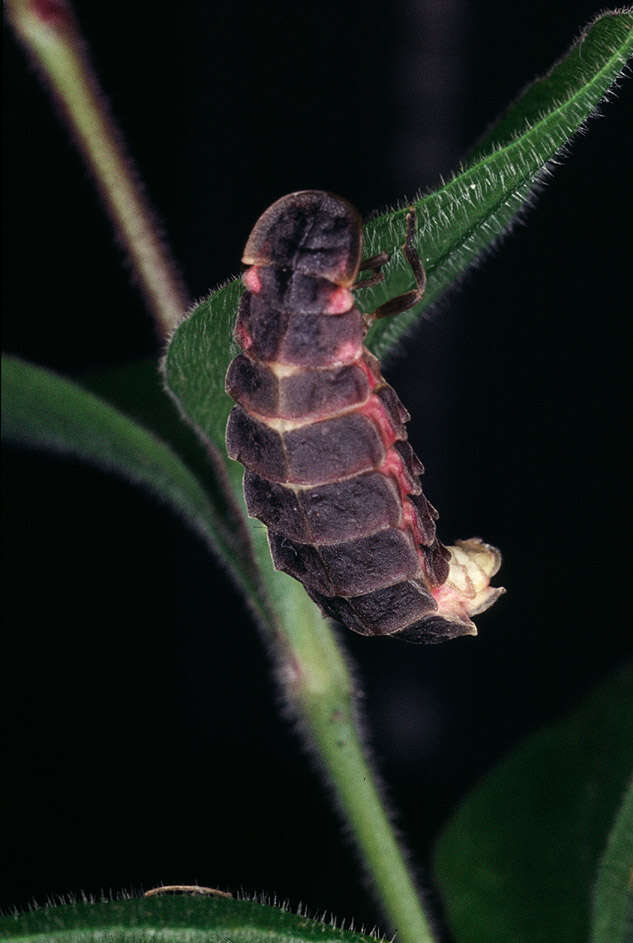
[146, 743]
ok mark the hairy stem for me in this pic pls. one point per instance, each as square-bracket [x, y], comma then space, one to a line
[49, 31]
[321, 691]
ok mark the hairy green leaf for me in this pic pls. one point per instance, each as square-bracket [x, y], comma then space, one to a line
[42, 410]
[197, 359]
[613, 893]
[518, 859]
[176, 919]
[466, 216]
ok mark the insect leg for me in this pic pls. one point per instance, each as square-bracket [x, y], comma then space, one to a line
[375, 262]
[410, 298]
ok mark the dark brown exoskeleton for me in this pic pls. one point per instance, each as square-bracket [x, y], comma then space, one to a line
[322, 435]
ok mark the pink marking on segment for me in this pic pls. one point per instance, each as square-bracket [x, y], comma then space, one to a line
[440, 592]
[348, 352]
[451, 603]
[372, 379]
[341, 300]
[393, 465]
[243, 336]
[376, 411]
[410, 520]
[251, 280]
[341, 272]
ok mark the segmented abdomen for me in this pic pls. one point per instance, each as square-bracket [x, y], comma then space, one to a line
[322, 435]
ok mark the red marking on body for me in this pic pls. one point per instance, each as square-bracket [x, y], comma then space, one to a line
[341, 300]
[348, 352]
[393, 465]
[341, 273]
[376, 411]
[410, 519]
[450, 602]
[372, 379]
[243, 336]
[251, 280]
[440, 592]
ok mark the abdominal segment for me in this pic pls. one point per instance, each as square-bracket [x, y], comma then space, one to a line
[330, 472]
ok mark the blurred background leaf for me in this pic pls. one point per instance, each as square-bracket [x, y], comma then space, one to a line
[613, 891]
[42, 410]
[518, 859]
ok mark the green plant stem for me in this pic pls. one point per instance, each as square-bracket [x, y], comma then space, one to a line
[321, 691]
[49, 31]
